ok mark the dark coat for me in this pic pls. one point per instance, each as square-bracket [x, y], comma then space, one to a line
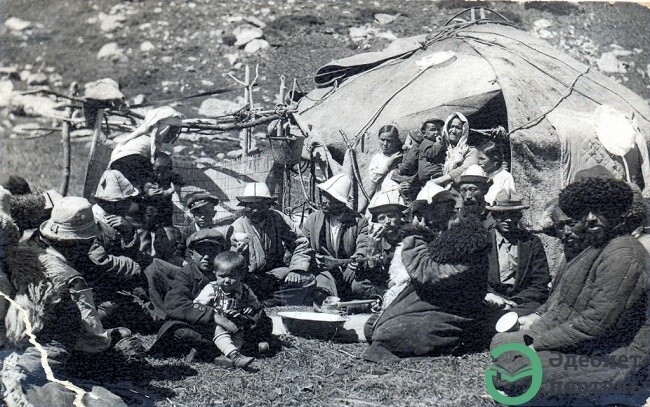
[179, 300]
[441, 311]
[353, 242]
[598, 309]
[532, 275]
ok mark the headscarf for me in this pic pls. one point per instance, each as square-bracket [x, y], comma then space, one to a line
[455, 155]
[156, 122]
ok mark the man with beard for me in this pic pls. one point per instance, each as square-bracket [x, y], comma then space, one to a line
[597, 313]
[337, 236]
[277, 263]
[518, 276]
[440, 311]
[472, 187]
[387, 221]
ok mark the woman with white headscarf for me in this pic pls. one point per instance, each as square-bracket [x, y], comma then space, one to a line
[160, 125]
[134, 154]
[459, 154]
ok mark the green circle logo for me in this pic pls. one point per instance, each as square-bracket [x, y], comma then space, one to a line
[534, 371]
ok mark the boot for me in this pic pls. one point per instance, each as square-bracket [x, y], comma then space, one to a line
[240, 360]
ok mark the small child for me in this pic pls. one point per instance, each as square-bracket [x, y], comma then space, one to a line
[236, 307]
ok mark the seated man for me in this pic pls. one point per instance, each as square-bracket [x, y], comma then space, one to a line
[202, 207]
[337, 236]
[598, 311]
[385, 234]
[278, 264]
[193, 324]
[518, 276]
[472, 186]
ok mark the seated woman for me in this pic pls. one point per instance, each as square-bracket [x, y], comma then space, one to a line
[381, 164]
[597, 313]
[491, 159]
[458, 154]
[440, 311]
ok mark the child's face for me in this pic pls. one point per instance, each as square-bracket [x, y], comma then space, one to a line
[228, 277]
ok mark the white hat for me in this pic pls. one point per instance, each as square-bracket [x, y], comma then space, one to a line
[385, 200]
[432, 193]
[473, 174]
[138, 146]
[256, 192]
[114, 187]
[338, 187]
[103, 89]
[72, 219]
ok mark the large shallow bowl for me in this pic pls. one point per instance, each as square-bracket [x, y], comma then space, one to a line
[312, 324]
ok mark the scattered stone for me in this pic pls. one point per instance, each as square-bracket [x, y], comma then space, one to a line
[245, 34]
[648, 69]
[55, 79]
[178, 149]
[113, 52]
[147, 46]
[256, 45]
[34, 105]
[384, 19]
[609, 62]
[360, 33]
[24, 74]
[167, 59]
[221, 156]
[206, 82]
[139, 99]
[213, 107]
[10, 72]
[206, 161]
[235, 154]
[387, 35]
[190, 68]
[255, 21]
[17, 24]
[6, 87]
[232, 58]
[37, 79]
[110, 23]
[542, 24]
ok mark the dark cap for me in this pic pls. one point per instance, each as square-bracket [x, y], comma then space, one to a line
[15, 184]
[200, 199]
[206, 235]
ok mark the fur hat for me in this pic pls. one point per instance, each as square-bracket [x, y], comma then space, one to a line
[609, 197]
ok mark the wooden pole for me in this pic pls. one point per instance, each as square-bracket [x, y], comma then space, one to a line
[65, 139]
[248, 97]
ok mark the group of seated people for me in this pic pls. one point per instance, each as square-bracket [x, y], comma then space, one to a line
[443, 254]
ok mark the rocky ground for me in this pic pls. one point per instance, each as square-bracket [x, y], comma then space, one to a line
[166, 50]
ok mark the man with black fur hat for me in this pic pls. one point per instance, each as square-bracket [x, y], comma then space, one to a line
[598, 310]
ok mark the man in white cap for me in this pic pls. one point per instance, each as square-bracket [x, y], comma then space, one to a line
[336, 232]
[472, 186]
[278, 266]
[386, 225]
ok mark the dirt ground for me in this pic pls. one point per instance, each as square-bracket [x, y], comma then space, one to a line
[192, 50]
